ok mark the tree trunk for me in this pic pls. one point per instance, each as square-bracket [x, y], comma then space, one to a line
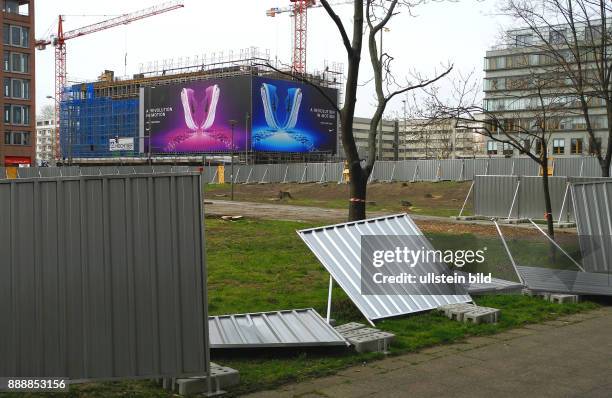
[548, 204]
[605, 171]
[357, 188]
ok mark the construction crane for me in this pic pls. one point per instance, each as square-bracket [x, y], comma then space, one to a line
[59, 42]
[299, 12]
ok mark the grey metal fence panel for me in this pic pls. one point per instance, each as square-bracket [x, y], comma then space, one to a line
[338, 248]
[289, 328]
[577, 167]
[451, 169]
[27, 172]
[70, 171]
[566, 281]
[334, 171]
[2, 172]
[295, 172]
[500, 166]
[382, 171]
[526, 167]
[481, 167]
[591, 202]
[493, 196]
[428, 170]
[405, 170]
[314, 172]
[166, 168]
[530, 199]
[102, 277]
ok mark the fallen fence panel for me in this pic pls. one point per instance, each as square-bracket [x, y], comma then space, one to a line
[290, 328]
[566, 281]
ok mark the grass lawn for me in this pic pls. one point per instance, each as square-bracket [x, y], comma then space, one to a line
[257, 265]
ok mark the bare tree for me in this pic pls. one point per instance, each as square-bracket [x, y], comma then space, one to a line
[529, 136]
[47, 112]
[371, 17]
[574, 37]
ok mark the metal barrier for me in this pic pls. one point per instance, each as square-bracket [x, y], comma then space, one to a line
[103, 277]
[384, 171]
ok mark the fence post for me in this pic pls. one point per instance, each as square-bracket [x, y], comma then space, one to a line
[416, 172]
[393, 172]
[563, 203]
[487, 168]
[512, 170]
[462, 174]
[212, 181]
[581, 166]
[249, 176]
[304, 173]
[322, 179]
[285, 177]
[466, 199]
[518, 184]
[372, 173]
[264, 176]
[236, 176]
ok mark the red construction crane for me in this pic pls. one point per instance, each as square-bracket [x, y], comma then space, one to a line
[299, 12]
[59, 42]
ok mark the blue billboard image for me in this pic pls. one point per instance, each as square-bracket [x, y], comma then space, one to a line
[290, 116]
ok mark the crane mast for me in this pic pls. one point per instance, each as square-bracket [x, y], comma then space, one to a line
[59, 42]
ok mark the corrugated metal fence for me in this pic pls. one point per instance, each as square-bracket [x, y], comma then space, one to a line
[384, 171]
[522, 197]
[103, 277]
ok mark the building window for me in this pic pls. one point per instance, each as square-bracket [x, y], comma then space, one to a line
[556, 36]
[16, 7]
[16, 114]
[16, 88]
[576, 146]
[491, 148]
[559, 146]
[526, 145]
[508, 150]
[15, 35]
[17, 138]
[16, 62]
[524, 40]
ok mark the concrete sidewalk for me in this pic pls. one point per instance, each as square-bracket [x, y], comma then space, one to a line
[570, 357]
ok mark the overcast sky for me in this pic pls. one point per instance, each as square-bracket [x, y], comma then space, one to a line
[459, 32]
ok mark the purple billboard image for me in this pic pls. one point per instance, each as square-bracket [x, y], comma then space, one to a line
[194, 117]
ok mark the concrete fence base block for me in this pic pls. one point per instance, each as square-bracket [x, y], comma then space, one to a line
[513, 221]
[347, 327]
[563, 298]
[535, 293]
[482, 315]
[221, 377]
[376, 341]
[456, 311]
[358, 332]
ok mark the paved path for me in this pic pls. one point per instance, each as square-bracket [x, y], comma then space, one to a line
[571, 357]
[277, 211]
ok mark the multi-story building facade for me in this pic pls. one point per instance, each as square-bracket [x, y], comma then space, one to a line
[523, 79]
[45, 136]
[17, 146]
[418, 139]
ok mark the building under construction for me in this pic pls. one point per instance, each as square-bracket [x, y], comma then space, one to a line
[208, 107]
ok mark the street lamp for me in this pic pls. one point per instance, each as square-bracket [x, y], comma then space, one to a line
[233, 124]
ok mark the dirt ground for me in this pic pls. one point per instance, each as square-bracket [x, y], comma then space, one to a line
[442, 198]
[275, 211]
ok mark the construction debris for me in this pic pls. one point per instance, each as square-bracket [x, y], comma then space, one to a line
[563, 298]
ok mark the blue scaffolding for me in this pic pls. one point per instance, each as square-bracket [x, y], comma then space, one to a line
[87, 123]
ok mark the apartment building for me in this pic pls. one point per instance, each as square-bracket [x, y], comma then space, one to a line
[45, 136]
[17, 147]
[418, 139]
[522, 79]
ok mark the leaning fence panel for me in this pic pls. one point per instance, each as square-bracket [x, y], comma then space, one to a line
[494, 196]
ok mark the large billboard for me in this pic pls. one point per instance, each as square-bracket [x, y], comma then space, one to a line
[290, 116]
[268, 115]
[196, 117]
